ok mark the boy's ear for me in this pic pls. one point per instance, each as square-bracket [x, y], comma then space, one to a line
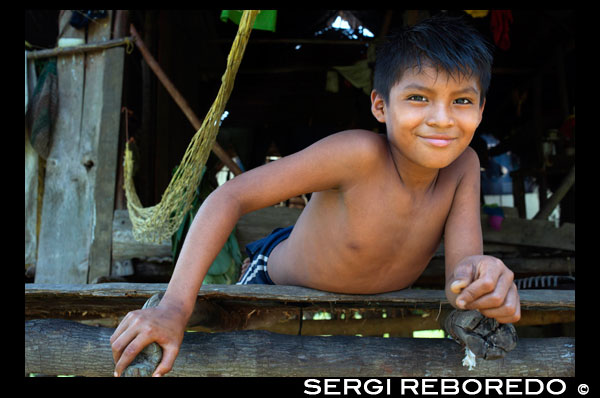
[481, 110]
[378, 106]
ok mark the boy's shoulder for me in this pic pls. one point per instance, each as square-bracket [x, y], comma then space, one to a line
[466, 164]
[361, 136]
[359, 153]
[467, 161]
[362, 145]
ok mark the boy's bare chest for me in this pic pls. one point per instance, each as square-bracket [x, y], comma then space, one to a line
[391, 223]
[361, 244]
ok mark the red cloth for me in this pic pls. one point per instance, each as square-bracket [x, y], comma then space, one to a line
[500, 26]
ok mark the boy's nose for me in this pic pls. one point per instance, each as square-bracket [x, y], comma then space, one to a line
[440, 117]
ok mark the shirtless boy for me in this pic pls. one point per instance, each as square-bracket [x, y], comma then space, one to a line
[380, 204]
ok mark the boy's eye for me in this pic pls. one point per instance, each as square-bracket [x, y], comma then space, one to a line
[418, 98]
[463, 101]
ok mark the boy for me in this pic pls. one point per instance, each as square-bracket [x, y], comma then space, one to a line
[380, 205]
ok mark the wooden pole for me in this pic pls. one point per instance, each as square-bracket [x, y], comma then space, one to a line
[180, 100]
[84, 48]
[55, 346]
[555, 199]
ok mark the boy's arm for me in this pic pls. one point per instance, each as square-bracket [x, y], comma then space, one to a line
[332, 162]
[475, 281]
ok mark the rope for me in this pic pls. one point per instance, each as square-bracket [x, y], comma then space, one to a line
[157, 223]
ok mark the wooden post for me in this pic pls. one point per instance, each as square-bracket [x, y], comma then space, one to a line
[64, 233]
[102, 113]
[555, 199]
[54, 346]
[76, 231]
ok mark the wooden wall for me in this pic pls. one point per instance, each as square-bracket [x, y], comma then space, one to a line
[76, 225]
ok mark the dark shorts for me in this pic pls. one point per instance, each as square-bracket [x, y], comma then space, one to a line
[259, 255]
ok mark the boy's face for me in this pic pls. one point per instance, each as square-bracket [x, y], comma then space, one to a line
[430, 117]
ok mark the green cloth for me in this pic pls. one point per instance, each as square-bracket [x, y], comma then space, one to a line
[265, 20]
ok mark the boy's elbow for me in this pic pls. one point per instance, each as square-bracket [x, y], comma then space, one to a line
[226, 197]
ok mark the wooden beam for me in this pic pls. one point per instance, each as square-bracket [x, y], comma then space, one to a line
[55, 346]
[116, 299]
[532, 233]
[295, 295]
[84, 48]
[555, 199]
[521, 266]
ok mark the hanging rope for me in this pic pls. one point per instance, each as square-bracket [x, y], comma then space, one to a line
[157, 223]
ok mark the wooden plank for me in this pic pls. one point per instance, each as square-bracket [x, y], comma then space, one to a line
[535, 233]
[100, 133]
[64, 238]
[100, 129]
[43, 297]
[61, 347]
[521, 266]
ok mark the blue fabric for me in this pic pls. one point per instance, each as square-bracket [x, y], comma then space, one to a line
[259, 252]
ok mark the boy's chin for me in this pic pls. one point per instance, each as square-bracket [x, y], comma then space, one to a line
[437, 162]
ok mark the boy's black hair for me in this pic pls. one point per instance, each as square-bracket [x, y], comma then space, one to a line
[444, 42]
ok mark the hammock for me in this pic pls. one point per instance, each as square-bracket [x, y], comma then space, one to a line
[157, 223]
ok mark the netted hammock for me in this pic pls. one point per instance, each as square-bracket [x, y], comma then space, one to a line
[157, 223]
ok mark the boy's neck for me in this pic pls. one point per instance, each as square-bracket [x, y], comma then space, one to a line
[415, 178]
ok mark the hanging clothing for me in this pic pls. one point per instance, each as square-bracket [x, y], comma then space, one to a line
[43, 108]
[500, 26]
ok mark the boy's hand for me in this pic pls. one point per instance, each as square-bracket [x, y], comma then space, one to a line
[484, 283]
[161, 324]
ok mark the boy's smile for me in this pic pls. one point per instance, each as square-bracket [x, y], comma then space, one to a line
[431, 117]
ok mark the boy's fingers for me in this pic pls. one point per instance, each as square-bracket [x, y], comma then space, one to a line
[494, 298]
[510, 311]
[130, 352]
[485, 283]
[463, 275]
[120, 328]
[458, 285]
[168, 359]
[119, 342]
